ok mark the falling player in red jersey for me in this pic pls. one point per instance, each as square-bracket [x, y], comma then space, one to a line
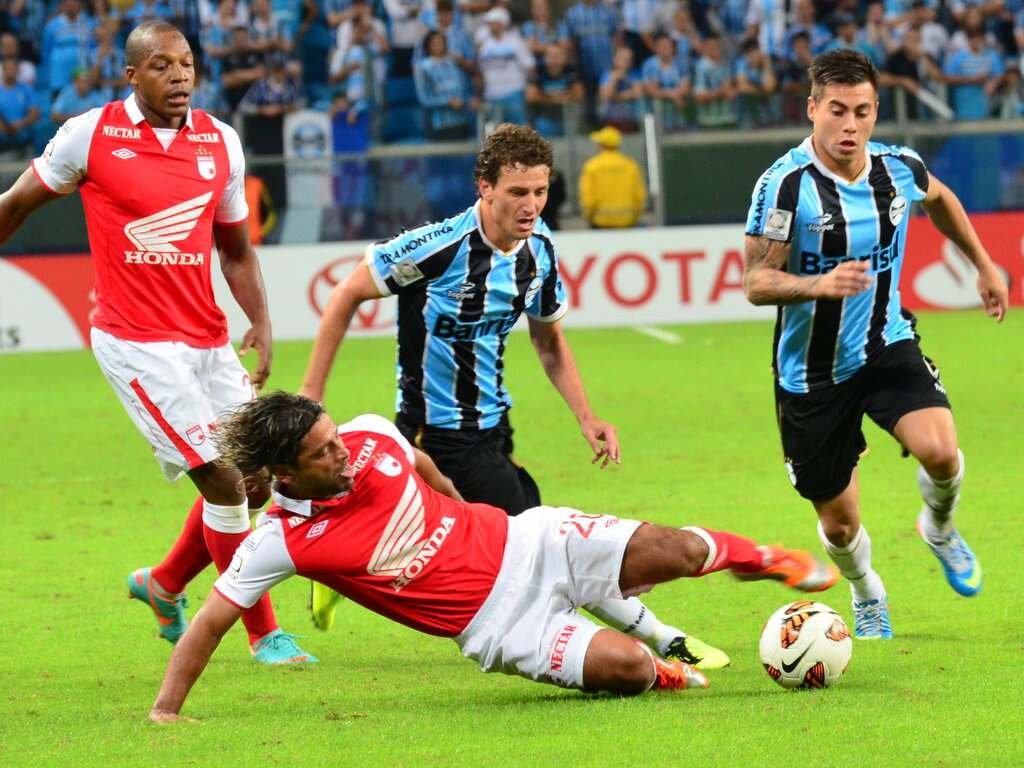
[359, 509]
[159, 182]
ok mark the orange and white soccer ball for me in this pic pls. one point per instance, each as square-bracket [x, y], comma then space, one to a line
[805, 645]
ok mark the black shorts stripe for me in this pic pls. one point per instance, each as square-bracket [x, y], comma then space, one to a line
[884, 191]
[471, 310]
[412, 335]
[828, 313]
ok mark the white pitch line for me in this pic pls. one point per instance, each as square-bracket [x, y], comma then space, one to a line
[657, 333]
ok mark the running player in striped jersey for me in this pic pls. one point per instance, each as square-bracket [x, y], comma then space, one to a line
[462, 284]
[825, 241]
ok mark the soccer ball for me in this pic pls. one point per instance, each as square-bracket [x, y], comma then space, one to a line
[805, 645]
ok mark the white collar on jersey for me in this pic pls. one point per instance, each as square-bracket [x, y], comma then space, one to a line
[808, 147]
[302, 507]
[136, 116]
[483, 236]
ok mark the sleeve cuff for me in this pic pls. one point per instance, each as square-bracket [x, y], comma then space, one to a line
[382, 286]
[44, 182]
[555, 316]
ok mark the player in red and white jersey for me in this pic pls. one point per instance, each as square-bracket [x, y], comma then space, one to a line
[358, 509]
[160, 182]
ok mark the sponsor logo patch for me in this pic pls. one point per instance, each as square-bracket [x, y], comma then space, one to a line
[777, 224]
[121, 133]
[124, 153]
[822, 223]
[406, 272]
[897, 209]
[157, 235]
[317, 529]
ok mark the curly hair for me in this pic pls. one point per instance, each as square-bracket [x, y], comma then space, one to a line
[511, 146]
[266, 431]
[840, 67]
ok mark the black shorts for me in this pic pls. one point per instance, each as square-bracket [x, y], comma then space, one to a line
[479, 463]
[821, 430]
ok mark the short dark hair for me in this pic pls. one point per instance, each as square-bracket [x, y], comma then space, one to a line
[140, 40]
[749, 44]
[266, 431]
[840, 66]
[510, 146]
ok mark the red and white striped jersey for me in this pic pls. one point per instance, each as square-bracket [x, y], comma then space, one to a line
[391, 543]
[150, 213]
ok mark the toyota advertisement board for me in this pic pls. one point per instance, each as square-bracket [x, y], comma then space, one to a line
[611, 278]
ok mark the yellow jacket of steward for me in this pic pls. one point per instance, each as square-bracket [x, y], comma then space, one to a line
[612, 190]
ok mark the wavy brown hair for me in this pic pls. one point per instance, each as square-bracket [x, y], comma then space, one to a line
[511, 146]
[266, 431]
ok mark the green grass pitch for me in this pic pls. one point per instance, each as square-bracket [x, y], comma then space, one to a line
[84, 504]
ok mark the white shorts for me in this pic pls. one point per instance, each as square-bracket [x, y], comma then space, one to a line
[556, 560]
[173, 392]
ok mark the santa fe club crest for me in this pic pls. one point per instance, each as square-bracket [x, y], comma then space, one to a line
[205, 162]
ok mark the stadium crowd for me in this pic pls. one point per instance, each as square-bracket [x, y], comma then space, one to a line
[394, 70]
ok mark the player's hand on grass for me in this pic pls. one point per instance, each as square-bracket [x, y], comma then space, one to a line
[259, 338]
[847, 279]
[993, 292]
[603, 439]
[164, 716]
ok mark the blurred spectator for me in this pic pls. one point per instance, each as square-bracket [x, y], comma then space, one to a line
[268, 35]
[209, 10]
[18, 112]
[65, 45]
[959, 9]
[148, 10]
[216, 38]
[540, 32]
[713, 87]
[360, 12]
[554, 85]
[973, 20]
[908, 68]
[876, 35]
[26, 19]
[934, 37]
[756, 85]
[10, 48]
[818, 35]
[313, 40]
[240, 68]
[78, 97]
[622, 93]
[612, 190]
[106, 61]
[556, 199]
[638, 20]
[406, 30]
[505, 66]
[359, 69]
[471, 13]
[847, 36]
[460, 45]
[796, 83]
[975, 75]
[287, 14]
[208, 96]
[766, 21]
[686, 37]
[337, 12]
[277, 93]
[666, 82]
[444, 92]
[593, 30]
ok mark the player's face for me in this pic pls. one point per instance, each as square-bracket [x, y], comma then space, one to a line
[164, 79]
[514, 203]
[843, 120]
[322, 468]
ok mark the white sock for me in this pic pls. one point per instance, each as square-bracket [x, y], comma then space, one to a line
[635, 619]
[854, 562]
[940, 500]
[226, 518]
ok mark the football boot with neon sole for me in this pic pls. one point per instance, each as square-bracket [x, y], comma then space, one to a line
[676, 674]
[689, 650]
[795, 568]
[961, 567]
[871, 619]
[278, 648]
[168, 608]
[322, 603]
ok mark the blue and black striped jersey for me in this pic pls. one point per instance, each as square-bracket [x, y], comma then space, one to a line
[458, 298]
[828, 220]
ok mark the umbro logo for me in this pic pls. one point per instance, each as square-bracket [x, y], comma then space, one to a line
[123, 153]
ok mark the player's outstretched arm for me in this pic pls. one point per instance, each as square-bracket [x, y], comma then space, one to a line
[345, 298]
[191, 655]
[560, 366]
[242, 273]
[24, 196]
[949, 217]
[767, 281]
[440, 482]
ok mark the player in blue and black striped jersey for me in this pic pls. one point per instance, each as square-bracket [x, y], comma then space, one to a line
[461, 285]
[825, 241]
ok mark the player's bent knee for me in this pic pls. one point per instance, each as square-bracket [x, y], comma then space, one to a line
[940, 459]
[616, 663]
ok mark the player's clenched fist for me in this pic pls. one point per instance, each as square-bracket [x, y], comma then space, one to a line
[847, 279]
